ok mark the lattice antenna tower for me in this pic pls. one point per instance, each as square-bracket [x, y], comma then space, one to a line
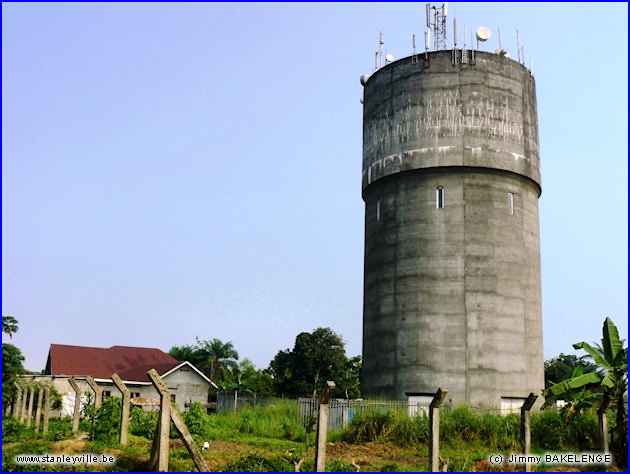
[436, 21]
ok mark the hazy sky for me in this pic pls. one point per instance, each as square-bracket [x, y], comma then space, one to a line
[181, 170]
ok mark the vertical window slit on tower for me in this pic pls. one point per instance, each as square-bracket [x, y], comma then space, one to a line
[378, 210]
[511, 203]
[439, 197]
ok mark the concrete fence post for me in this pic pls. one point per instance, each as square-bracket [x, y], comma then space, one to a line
[98, 391]
[159, 450]
[126, 401]
[31, 402]
[38, 413]
[160, 446]
[17, 403]
[434, 429]
[603, 423]
[322, 427]
[192, 448]
[46, 413]
[526, 427]
[77, 404]
[24, 398]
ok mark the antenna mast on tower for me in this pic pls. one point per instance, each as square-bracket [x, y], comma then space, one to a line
[436, 21]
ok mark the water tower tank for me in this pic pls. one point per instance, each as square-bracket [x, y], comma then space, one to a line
[451, 181]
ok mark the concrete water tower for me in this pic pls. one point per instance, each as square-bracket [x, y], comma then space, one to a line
[451, 181]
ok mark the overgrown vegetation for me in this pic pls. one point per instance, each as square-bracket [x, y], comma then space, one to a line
[270, 438]
[498, 433]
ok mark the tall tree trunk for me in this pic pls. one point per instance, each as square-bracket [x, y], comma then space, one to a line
[315, 384]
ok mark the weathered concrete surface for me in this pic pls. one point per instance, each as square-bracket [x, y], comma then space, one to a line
[452, 296]
[124, 413]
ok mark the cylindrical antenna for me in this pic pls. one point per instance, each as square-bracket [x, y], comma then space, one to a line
[531, 65]
[523, 54]
[427, 42]
[518, 47]
[428, 15]
[464, 36]
[455, 32]
[414, 43]
[380, 48]
[499, 34]
[376, 60]
[445, 8]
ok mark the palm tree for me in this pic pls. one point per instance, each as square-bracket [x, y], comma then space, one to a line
[182, 353]
[610, 378]
[9, 325]
[218, 359]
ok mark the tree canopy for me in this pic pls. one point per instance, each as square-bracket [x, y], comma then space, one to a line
[315, 358]
[9, 325]
[561, 367]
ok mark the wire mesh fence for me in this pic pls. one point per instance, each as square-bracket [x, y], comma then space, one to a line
[232, 401]
[341, 411]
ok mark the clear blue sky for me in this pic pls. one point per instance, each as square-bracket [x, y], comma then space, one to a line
[181, 170]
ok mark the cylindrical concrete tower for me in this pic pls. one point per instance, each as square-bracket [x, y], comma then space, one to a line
[451, 181]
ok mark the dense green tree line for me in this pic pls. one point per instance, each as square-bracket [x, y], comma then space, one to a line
[302, 371]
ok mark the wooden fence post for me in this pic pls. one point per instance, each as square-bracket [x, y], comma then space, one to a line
[124, 415]
[322, 427]
[46, 407]
[38, 413]
[603, 423]
[434, 429]
[17, 403]
[31, 402]
[159, 450]
[526, 428]
[98, 391]
[77, 404]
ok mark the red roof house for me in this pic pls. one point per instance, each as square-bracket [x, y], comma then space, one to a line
[130, 363]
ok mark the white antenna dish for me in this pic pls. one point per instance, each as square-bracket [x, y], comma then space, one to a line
[364, 79]
[389, 58]
[483, 34]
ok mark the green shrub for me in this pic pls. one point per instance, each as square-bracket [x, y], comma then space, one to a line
[107, 420]
[461, 424]
[500, 432]
[198, 421]
[254, 462]
[410, 431]
[278, 419]
[142, 423]
[59, 429]
[13, 430]
[371, 426]
[550, 430]
[389, 467]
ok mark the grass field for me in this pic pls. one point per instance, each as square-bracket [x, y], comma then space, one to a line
[270, 439]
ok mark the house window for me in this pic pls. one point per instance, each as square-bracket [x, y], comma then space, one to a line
[510, 203]
[378, 210]
[134, 394]
[172, 398]
[439, 198]
[106, 394]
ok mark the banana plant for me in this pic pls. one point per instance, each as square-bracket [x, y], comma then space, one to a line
[610, 380]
